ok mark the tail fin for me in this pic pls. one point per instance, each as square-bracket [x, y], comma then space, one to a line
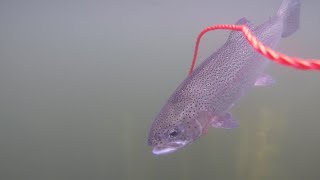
[289, 11]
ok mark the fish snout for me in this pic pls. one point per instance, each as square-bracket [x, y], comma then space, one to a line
[168, 148]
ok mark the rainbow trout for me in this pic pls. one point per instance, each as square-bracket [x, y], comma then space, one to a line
[205, 97]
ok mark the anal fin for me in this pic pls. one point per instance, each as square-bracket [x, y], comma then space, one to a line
[264, 80]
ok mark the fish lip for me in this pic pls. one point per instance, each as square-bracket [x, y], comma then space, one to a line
[168, 148]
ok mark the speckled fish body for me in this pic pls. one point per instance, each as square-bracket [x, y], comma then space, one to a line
[205, 98]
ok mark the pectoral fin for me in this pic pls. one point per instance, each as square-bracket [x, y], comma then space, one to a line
[225, 121]
[264, 80]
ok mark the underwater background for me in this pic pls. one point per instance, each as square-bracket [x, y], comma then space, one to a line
[81, 81]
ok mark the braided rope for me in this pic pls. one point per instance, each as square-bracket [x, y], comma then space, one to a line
[309, 64]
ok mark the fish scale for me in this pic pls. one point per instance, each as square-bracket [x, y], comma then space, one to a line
[205, 97]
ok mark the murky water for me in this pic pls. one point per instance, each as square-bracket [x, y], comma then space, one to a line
[80, 82]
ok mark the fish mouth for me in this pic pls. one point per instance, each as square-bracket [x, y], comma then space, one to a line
[168, 148]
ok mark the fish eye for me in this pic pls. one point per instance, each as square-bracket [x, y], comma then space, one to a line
[173, 133]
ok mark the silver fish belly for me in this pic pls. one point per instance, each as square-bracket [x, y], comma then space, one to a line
[205, 97]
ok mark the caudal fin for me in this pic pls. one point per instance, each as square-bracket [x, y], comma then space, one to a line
[289, 11]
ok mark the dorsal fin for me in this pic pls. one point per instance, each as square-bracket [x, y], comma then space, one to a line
[236, 34]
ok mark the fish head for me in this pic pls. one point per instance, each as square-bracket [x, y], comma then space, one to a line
[173, 128]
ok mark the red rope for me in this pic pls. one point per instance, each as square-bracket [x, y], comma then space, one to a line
[310, 64]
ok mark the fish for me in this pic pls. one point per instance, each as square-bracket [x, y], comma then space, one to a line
[204, 98]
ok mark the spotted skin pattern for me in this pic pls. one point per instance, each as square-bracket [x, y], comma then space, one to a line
[209, 92]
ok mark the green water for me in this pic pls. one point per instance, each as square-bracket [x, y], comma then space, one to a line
[81, 81]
